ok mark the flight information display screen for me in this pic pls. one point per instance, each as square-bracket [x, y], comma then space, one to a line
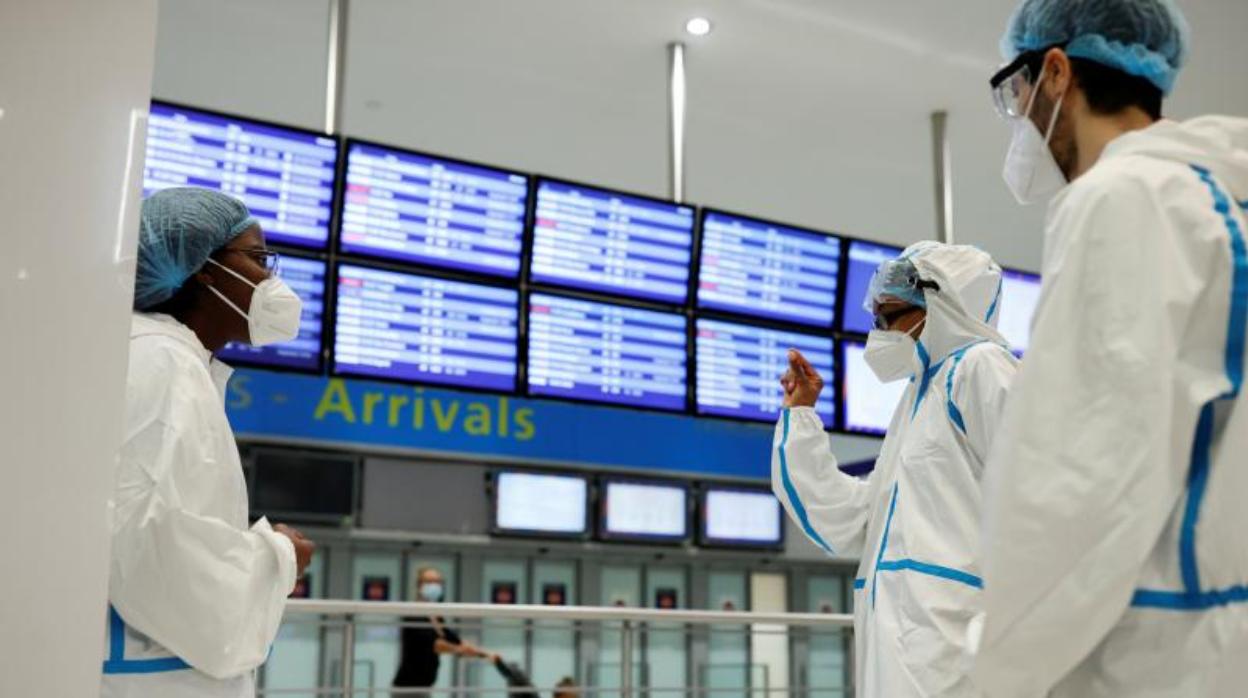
[424, 329]
[602, 352]
[307, 278]
[534, 503]
[284, 175]
[417, 208]
[767, 270]
[869, 403]
[739, 369]
[732, 516]
[1020, 294]
[864, 258]
[599, 240]
[644, 511]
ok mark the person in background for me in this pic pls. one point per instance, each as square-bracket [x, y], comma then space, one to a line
[914, 522]
[1113, 553]
[566, 688]
[195, 594]
[426, 639]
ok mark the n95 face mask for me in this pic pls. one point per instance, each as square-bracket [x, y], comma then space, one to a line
[1031, 171]
[273, 315]
[892, 354]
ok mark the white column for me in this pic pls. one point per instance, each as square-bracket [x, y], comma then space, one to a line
[676, 119]
[769, 645]
[75, 77]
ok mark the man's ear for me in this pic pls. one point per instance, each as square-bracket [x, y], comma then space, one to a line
[1058, 73]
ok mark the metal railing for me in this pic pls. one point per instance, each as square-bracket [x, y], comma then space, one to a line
[625, 643]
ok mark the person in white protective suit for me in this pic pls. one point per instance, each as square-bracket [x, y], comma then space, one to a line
[196, 596]
[1113, 542]
[914, 522]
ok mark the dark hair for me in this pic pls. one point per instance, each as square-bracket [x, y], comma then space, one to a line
[1108, 90]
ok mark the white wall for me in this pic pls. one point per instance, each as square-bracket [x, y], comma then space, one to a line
[72, 74]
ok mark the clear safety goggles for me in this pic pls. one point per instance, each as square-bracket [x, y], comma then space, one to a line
[1011, 87]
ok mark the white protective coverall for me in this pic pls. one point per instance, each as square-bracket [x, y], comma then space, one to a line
[196, 597]
[1114, 553]
[915, 520]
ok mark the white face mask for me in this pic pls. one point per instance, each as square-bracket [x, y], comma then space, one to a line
[892, 354]
[1031, 171]
[274, 310]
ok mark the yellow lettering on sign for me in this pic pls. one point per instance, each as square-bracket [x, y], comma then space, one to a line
[396, 407]
[478, 421]
[240, 396]
[444, 419]
[524, 420]
[337, 400]
[370, 404]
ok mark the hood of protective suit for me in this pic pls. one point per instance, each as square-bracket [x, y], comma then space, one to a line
[1216, 143]
[967, 306]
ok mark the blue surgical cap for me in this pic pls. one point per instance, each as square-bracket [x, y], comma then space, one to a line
[894, 278]
[1144, 38]
[180, 228]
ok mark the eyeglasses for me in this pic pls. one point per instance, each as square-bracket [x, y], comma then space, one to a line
[265, 258]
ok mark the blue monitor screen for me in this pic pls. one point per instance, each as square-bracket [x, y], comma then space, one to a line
[768, 270]
[869, 403]
[424, 329]
[1020, 293]
[599, 240]
[607, 353]
[417, 208]
[284, 175]
[864, 258]
[739, 369]
[307, 278]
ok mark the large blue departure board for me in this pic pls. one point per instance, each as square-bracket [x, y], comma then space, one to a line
[739, 369]
[307, 278]
[284, 175]
[606, 353]
[418, 208]
[768, 270]
[599, 240]
[424, 329]
[864, 259]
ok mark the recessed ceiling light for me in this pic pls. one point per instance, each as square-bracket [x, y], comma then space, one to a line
[698, 26]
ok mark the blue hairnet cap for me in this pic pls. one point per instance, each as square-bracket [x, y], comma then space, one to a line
[1144, 38]
[895, 279]
[180, 228]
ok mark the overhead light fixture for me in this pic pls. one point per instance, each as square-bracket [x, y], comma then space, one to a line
[698, 26]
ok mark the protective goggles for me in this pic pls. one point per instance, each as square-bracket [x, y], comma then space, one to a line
[1011, 85]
